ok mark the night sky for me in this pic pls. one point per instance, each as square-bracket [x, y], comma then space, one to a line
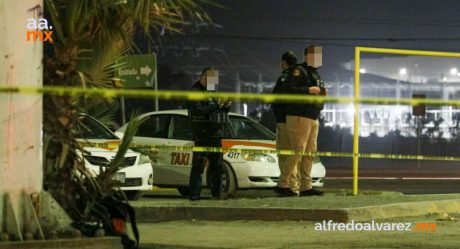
[248, 37]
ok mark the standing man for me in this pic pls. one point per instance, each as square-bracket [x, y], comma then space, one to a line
[302, 125]
[207, 119]
[313, 59]
[284, 82]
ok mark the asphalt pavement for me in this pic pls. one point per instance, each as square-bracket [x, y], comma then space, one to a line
[405, 186]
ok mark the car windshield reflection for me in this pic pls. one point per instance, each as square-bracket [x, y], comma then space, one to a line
[89, 128]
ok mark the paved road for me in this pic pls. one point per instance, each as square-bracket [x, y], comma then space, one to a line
[406, 186]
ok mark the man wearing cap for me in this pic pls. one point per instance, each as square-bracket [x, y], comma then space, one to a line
[207, 119]
[302, 126]
[283, 85]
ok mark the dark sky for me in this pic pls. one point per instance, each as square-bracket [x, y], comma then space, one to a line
[254, 33]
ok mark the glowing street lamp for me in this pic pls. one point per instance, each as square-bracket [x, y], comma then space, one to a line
[402, 71]
[453, 71]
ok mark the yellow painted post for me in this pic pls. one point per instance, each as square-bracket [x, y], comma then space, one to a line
[356, 123]
[408, 52]
[358, 51]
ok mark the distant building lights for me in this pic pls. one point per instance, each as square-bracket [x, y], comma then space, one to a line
[402, 71]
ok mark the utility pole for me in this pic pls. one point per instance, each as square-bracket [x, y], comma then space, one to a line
[238, 90]
[25, 208]
[20, 115]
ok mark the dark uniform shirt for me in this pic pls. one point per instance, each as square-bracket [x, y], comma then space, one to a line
[200, 116]
[303, 78]
[314, 76]
[283, 82]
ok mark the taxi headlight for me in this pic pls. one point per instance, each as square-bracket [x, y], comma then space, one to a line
[143, 158]
[259, 157]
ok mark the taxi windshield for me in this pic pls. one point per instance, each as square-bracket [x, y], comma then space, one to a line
[245, 128]
[89, 128]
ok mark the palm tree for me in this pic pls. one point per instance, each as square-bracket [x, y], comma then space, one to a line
[89, 37]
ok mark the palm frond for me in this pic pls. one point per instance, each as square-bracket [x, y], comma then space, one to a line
[91, 36]
[56, 19]
[105, 178]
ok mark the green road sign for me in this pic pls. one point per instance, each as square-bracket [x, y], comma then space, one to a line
[139, 71]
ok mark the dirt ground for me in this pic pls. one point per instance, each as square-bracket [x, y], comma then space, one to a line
[296, 234]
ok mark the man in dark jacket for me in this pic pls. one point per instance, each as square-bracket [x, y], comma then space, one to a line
[282, 86]
[313, 54]
[207, 120]
[302, 131]
[302, 121]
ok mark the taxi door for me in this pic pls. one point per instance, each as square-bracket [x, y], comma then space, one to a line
[180, 161]
[171, 166]
[154, 131]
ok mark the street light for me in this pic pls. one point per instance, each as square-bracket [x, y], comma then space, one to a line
[453, 71]
[402, 71]
[362, 71]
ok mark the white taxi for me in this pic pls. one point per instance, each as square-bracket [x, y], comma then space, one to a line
[247, 170]
[101, 146]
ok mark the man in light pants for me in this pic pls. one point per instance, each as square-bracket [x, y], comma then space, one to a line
[313, 59]
[288, 63]
[302, 126]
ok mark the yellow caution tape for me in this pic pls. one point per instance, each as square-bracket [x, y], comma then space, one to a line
[292, 152]
[111, 145]
[267, 98]
[198, 96]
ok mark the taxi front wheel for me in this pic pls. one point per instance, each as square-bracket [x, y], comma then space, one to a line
[229, 184]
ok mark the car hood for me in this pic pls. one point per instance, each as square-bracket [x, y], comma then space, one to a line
[255, 144]
[101, 145]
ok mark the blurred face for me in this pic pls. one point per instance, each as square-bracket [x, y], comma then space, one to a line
[210, 79]
[314, 56]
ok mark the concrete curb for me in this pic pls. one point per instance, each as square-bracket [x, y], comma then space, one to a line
[87, 243]
[158, 214]
[165, 246]
[404, 209]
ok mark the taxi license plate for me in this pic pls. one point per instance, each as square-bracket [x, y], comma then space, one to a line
[119, 177]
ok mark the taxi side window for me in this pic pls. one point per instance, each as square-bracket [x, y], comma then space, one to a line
[180, 128]
[154, 126]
